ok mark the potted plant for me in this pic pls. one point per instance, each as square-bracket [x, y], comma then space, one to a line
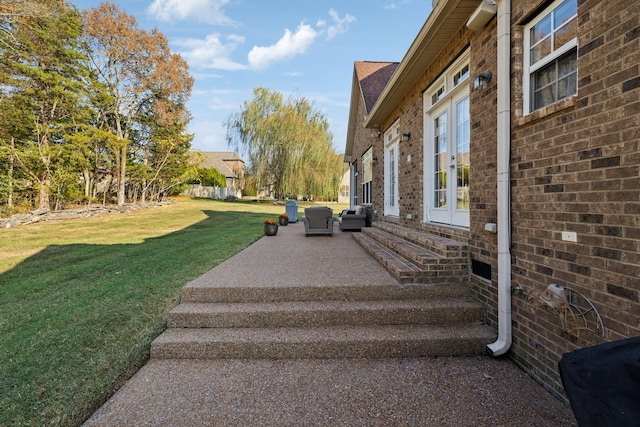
[270, 227]
[284, 219]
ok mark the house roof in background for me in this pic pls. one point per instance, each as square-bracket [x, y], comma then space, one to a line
[218, 160]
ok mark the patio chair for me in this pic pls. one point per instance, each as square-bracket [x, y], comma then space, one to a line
[318, 220]
[353, 219]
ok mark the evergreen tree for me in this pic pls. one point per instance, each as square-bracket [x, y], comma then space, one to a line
[43, 79]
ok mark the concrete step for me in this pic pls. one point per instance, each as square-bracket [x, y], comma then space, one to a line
[359, 341]
[203, 292]
[405, 271]
[325, 313]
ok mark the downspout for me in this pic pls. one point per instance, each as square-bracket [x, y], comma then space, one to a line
[352, 183]
[503, 343]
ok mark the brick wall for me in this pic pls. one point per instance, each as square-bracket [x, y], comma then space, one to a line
[361, 143]
[575, 167]
[483, 192]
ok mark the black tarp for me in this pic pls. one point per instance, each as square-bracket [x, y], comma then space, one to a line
[603, 383]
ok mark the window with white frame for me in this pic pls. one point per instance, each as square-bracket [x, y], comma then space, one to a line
[344, 191]
[551, 56]
[367, 176]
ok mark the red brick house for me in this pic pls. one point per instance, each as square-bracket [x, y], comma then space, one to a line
[514, 126]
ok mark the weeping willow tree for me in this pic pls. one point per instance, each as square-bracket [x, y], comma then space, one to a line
[288, 144]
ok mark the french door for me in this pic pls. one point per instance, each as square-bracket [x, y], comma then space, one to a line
[391, 150]
[447, 160]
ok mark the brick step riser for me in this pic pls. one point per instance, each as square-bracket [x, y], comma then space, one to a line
[407, 272]
[436, 245]
[443, 315]
[323, 350]
[322, 293]
[425, 262]
[416, 258]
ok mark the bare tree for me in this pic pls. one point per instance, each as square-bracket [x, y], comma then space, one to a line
[14, 11]
[142, 79]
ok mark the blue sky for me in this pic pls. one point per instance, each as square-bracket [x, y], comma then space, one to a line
[301, 48]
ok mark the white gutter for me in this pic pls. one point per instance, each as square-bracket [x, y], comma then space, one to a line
[503, 343]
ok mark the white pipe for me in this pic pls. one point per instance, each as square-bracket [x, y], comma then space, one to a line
[503, 343]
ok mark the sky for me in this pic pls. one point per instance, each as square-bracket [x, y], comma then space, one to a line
[300, 48]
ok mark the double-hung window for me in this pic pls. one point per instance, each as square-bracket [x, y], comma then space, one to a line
[551, 56]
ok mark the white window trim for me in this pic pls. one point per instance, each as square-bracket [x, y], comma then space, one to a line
[367, 192]
[391, 139]
[446, 81]
[446, 101]
[529, 68]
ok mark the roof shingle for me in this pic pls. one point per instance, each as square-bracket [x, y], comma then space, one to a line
[373, 77]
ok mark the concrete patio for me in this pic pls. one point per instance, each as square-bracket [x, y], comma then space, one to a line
[285, 279]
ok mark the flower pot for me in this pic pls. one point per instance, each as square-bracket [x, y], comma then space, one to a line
[284, 221]
[270, 229]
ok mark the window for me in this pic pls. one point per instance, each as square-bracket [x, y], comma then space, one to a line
[344, 191]
[367, 176]
[551, 56]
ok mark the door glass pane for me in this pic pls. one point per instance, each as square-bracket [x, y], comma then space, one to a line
[440, 161]
[463, 143]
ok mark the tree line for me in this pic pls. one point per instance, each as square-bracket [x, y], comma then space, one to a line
[90, 106]
[93, 109]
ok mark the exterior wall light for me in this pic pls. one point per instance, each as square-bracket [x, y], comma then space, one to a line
[482, 80]
[406, 136]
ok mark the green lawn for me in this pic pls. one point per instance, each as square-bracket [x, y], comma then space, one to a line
[81, 300]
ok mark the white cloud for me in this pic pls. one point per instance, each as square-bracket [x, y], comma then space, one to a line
[213, 52]
[207, 11]
[392, 5]
[290, 45]
[340, 25]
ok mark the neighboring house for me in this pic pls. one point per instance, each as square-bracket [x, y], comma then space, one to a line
[514, 126]
[345, 188]
[227, 163]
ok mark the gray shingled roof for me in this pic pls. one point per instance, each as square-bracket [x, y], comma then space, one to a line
[216, 159]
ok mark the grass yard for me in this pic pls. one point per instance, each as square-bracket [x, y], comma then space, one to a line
[81, 300]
